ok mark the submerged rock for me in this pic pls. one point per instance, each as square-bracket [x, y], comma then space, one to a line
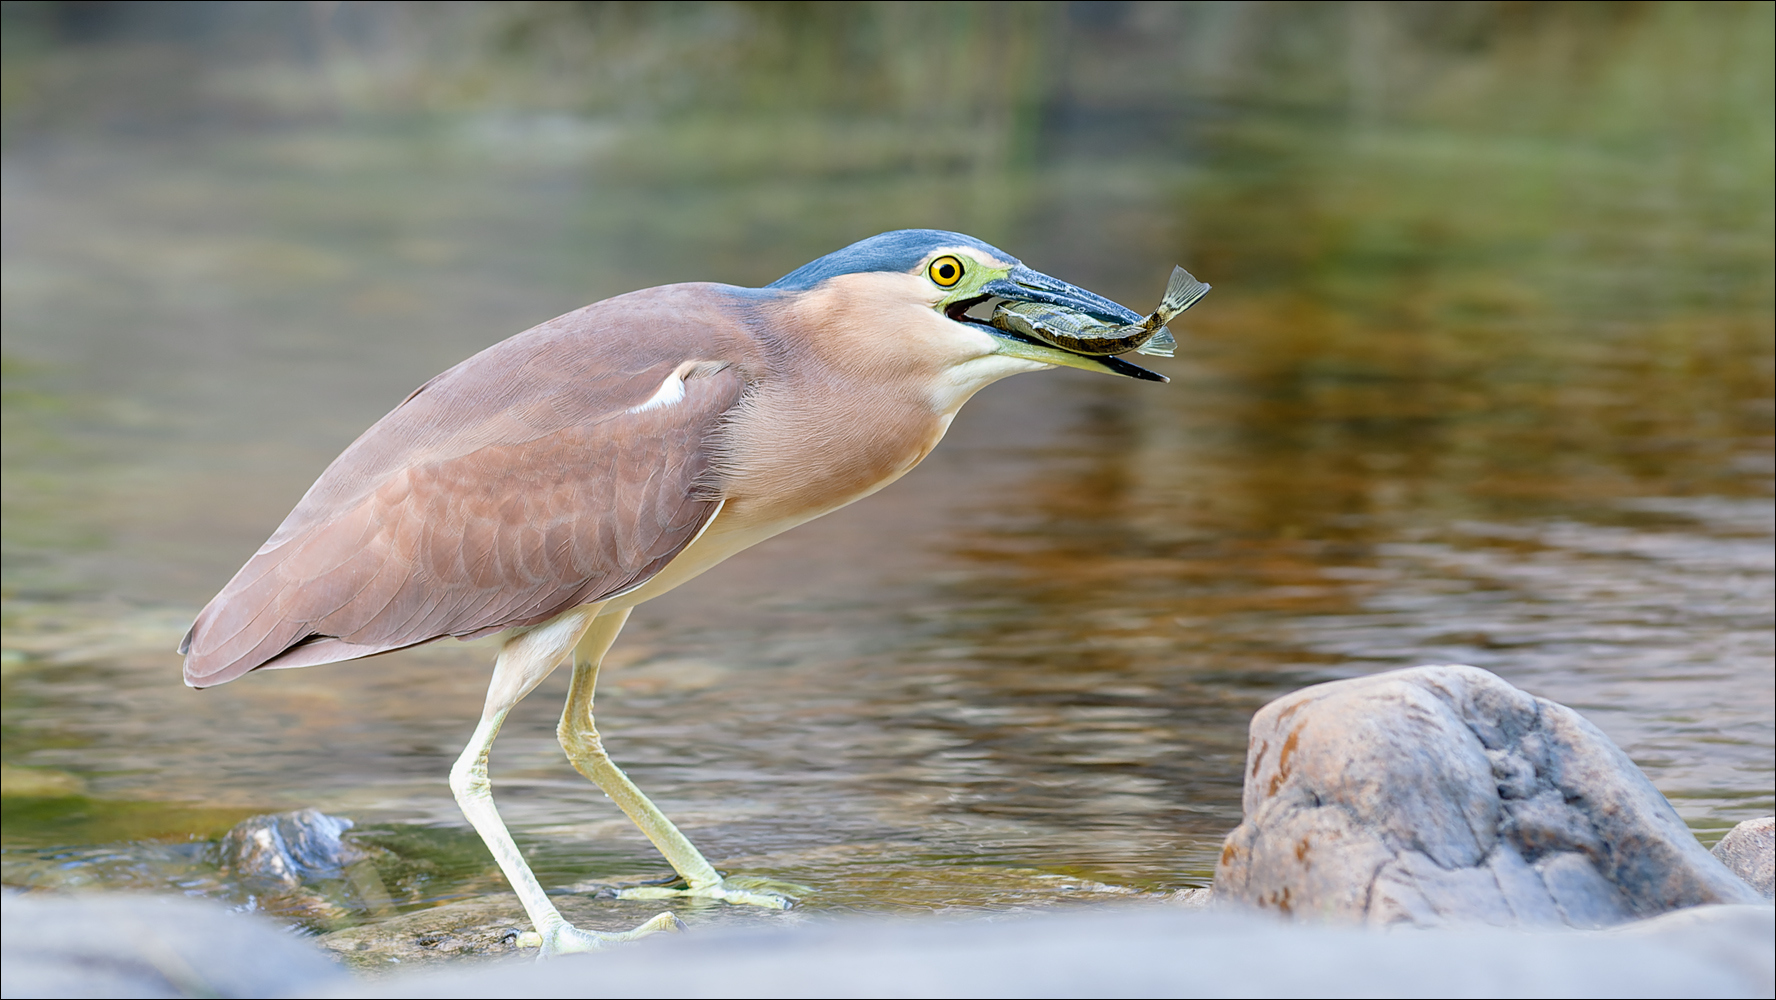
[289, 848]
[297, 866]
[493, 928]
[481, 928]
[1749, 851]
[1443, 794]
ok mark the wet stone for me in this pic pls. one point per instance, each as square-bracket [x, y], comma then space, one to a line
[1192, 899]
[486, 928]
[491, 928]
[1749, 851]
[1444, 795]
[296, 865]
[289, 848]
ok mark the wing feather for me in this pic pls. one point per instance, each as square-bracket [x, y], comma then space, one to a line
[505, 491]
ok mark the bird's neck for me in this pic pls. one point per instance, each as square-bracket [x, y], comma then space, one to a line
[862, 379]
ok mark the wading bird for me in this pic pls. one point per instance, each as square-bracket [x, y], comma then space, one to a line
[541, 489]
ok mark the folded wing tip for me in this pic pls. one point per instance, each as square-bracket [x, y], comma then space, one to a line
[198, 681]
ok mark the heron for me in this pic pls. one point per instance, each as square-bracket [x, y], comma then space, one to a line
[540, 490]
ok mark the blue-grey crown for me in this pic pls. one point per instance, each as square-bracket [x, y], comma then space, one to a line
[900, 250]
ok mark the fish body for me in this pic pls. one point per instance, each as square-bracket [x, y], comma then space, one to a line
[1082, 334]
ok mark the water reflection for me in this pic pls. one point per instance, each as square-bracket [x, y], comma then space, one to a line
[1486, 378]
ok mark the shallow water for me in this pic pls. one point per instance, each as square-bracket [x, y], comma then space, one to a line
[1405, 428]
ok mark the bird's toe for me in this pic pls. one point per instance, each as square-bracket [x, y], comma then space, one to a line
[566, 939]
[745, 890]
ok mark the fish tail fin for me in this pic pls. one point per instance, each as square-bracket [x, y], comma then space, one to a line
[1182, 292]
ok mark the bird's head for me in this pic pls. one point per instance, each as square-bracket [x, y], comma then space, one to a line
[963, 280]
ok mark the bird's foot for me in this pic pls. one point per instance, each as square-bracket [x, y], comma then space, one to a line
[746, 890]
[566, 939]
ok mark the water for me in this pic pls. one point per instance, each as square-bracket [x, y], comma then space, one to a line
[1475, 385]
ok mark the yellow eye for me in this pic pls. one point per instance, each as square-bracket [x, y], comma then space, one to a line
[945, 271]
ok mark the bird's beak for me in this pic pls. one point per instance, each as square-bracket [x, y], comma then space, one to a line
[1026, 285]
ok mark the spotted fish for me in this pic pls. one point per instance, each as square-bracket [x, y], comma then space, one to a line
[1081, 334]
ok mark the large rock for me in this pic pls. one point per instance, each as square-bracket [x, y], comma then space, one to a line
[1442, 794]
[1749, 849]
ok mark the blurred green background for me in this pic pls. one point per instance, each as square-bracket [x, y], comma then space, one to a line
[1486, 377]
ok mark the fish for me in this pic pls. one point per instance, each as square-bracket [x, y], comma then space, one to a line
[1074, 331]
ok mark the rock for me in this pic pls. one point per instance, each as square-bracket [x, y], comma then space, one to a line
[1737, 938]
[457, 932]
[1144, 951]
[1442, 794]
[289, 848]
[1195, 899]
[1749, 851]
[296, 865]
[492, 928]
[142, 946]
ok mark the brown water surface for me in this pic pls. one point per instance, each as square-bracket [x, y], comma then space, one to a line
[1475, 385]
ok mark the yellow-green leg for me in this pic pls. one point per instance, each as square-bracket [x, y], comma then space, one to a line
[523, 663]
[580, 739]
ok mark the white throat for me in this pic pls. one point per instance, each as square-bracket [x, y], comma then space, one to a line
[963, 379]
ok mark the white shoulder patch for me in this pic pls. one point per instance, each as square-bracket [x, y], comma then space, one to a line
[671, 391]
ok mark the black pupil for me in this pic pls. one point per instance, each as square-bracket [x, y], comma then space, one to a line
[946, 271]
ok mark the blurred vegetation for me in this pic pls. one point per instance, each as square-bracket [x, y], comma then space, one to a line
[1677, 95]
[1340, 140]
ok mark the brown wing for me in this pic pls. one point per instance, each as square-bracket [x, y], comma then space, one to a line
[523, 482]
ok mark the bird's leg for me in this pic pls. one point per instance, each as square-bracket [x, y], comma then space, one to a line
[523, 663]
[579, 738]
